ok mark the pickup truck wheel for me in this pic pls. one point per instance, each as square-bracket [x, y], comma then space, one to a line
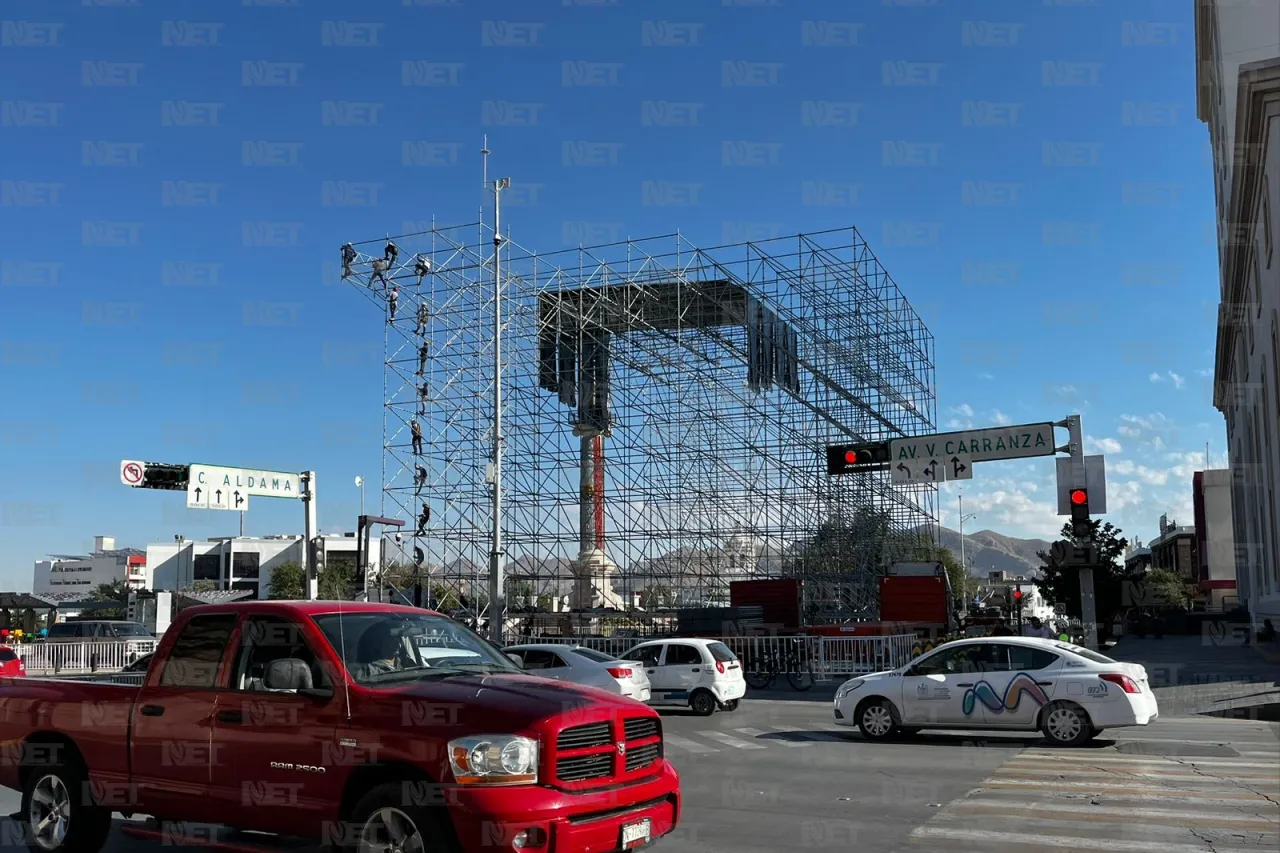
[385, 824]
[59, 817]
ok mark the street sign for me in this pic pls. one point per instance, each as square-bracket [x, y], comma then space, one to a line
[931, 469]
[248, 481]
[217, 497]
[979, 445]
[132, 471]
[1095, 482]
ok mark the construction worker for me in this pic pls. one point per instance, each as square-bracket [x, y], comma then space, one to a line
[422, 269]
[419, 477]
[415, 429]
[379, 272]
[422, 399]
[391, 252]
[423, 314]
[423, 518]
[392, 299]
[348, 258]
[422, 358]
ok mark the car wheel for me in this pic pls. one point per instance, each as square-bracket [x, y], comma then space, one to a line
[877, 719]
[702, 703]
[1066, 725]
[731, 705]
[383, 820]
[59, 813]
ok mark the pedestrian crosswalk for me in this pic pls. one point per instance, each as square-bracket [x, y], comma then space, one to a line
[748, 738]
[1138, 796]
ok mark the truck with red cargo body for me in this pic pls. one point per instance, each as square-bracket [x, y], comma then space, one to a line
[363, 726]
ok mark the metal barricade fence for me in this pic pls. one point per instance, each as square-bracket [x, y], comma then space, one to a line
[86, 657]
[825, 657]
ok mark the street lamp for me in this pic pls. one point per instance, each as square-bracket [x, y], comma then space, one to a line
[963, 566]
[360, 484]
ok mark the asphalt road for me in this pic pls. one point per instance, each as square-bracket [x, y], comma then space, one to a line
[776, 776]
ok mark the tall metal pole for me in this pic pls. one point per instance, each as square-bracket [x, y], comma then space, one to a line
[1088, 601]
[497, 603]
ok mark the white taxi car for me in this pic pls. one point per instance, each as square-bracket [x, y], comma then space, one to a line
[1022, 683]
[698, 673]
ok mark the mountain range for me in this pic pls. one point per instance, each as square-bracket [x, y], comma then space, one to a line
[988, 551]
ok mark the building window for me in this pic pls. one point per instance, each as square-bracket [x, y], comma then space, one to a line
[206, 567]
[245, 564]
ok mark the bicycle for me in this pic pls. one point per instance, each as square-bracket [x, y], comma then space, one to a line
[762, 670]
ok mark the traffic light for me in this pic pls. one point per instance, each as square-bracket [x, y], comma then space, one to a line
[1081, 525]
[852, 458]
[1017, 596]
[168, 477]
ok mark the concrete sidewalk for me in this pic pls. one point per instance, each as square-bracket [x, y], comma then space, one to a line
[1198, 675]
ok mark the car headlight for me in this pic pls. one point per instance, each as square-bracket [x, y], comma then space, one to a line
[494, 760]
[847, 688]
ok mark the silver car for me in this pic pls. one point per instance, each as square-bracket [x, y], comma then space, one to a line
[584, 666]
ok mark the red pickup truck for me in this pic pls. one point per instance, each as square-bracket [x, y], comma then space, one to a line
[363, 726]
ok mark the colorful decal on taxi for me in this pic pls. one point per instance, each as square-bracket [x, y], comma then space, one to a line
[986, 694]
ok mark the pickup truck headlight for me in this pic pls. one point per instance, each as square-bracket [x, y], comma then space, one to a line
[494, 760]
[847, 688]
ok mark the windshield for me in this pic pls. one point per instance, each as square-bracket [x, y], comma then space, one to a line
[721, 652]
[592, 654]
[7, 655]
[386, 648]
[129, 629]
[1087, 654]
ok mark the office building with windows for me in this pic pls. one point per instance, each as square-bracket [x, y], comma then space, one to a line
[84, 573]
[245, 563]
[1238, 97]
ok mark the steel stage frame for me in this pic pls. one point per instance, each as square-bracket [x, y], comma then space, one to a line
[666, 409]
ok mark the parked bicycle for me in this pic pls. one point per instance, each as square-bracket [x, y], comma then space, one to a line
[763, 668]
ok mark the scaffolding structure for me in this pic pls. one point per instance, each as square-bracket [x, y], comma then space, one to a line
[666, 413]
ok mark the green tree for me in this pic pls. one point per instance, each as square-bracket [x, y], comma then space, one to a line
[1164, 588]
[1060, 584]
[116, 592]
[201, 586]
[962, 586]
[288, 582]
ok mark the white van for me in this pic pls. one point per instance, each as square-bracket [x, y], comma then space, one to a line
[701, 674]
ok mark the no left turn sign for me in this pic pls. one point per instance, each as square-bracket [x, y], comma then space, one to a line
[131, 472]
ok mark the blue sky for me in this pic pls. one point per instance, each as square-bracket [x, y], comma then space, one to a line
[1046, 158]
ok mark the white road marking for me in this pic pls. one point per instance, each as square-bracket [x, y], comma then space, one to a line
[729, 740]
[1107, 845]
[686, 744]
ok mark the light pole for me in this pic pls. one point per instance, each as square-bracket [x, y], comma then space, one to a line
[964, 567]
[360, 485]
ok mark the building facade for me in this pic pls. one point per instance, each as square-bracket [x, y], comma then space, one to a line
[1215, 537]
[84, 573]
[1238, 97]
[245, 563]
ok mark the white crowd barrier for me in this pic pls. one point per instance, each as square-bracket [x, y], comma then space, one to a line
[81, 658]
[825, 657]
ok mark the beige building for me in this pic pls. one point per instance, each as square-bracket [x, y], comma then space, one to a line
[1238, 96]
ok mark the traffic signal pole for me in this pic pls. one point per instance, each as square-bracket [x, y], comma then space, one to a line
[1088, 601]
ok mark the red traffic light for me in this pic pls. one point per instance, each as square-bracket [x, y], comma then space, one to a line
[1017, 595]
[1079, 497]
[850, 456]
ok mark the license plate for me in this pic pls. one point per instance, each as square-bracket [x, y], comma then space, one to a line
[635, 834]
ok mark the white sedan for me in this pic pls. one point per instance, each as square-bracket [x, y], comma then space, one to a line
[1018, 683]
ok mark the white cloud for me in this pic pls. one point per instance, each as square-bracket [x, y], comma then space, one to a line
[1102, 445]
[1156, 377]
[985, 376]
[963, 409]
[1001, 418]
[1177, 380]
[1205, 371]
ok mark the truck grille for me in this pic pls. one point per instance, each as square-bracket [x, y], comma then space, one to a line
[643, 756]
[589, 752]
[582, 737]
